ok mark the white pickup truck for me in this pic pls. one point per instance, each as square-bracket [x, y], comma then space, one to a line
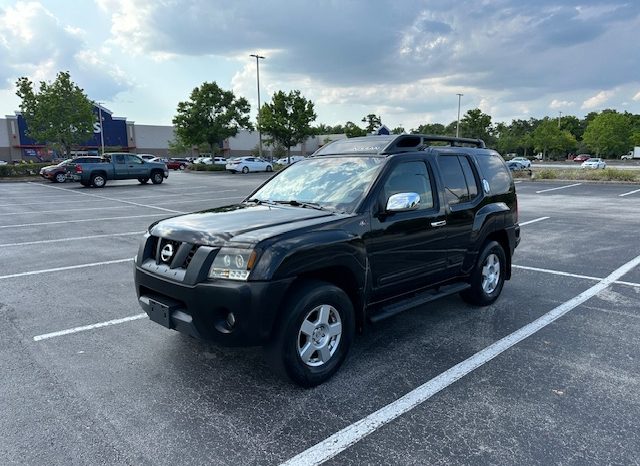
[632, 154]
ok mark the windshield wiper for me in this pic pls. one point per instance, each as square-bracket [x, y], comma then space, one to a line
[310, 205]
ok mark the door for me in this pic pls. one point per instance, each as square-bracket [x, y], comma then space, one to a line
[136, 167]
[461, 194]
[120, 170]
[406, 249]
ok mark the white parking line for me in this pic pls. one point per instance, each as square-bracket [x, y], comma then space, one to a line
[80, 209]
[560, 187]
[629, 193]
[21, 225]
[534, 221]
[115, 200]
[572, 275]
[47, 241]
[59, 269]
[46, 202]
[84, 328]
[348, 436]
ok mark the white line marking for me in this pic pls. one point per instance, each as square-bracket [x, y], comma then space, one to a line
[64, 210]
[105, 200]
[47, 241]
[84, 328]
[630, 192]
[560, 187]
[59, 269]
[114, 199]
[348, 436]
[534, 221]
[79, 221]
[572, 275]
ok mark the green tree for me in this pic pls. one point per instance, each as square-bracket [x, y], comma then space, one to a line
[609, 134]
[287, 119]
[352, 130]
[476, 124]
[551, 140]
[430, 128]
[373, 122]
[210, 116]
[397, 130]
[59, 113]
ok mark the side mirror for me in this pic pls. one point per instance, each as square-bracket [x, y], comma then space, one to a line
[402, 202]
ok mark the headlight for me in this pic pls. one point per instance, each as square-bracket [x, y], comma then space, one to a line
[233, 264]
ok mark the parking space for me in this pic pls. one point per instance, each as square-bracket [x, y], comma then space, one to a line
[119, 389]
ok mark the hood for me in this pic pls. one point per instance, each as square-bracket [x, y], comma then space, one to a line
[242, 223]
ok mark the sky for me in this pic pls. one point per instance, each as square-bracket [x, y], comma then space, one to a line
[404, 60]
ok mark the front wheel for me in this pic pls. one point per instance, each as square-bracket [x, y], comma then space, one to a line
[487, 277]
[60, 177]
[312, 340]
[157, 178]
[269, 168]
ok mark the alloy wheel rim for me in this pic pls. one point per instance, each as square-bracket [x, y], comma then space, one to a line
[319, 335]
[490, 273]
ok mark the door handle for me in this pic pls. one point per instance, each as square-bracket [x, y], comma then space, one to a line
[441, 223]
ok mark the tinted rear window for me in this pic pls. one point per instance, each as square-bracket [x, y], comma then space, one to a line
[495, 172]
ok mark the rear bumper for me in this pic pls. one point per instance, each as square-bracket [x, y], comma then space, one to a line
[202, 310]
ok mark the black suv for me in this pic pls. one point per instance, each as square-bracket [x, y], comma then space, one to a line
[362, 230]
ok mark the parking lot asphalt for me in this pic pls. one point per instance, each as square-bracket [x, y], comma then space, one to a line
[115, 388]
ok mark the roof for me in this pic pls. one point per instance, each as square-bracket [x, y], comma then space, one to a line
[394, 144]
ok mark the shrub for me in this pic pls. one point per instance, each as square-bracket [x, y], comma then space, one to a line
[22, 169]
[608, 174]
[201, 167]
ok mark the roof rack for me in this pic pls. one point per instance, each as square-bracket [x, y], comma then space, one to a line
[413, 142]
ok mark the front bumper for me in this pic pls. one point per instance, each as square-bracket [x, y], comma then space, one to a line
[201, 310]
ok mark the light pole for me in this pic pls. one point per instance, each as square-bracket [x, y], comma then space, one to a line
[458, 123]
[99, 104]
[559, 116]
[258, 58]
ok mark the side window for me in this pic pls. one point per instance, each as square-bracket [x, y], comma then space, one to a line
[119, 158]
[456, 189]
[470, 178]
[133, 159]
[495, 172]
[410, 177]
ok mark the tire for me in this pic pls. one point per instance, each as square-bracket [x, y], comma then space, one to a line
[245, 169]
[60, 177]
[182, 167]
[157, 177]
[98, 181]
[269, 168]
[143, 180]
[313, 336]
[487, 277]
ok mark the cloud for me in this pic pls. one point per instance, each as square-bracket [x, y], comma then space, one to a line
[558, 104]
[597, 100]
[35, 43]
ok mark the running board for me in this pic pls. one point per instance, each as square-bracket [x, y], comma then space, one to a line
[417, 300]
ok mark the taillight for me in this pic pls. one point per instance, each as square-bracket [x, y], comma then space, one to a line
[78, 168]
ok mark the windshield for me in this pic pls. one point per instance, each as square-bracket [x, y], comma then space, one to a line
[333, 183]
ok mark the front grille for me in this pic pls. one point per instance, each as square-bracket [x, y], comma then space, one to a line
[166, 251]
[192, 252]
[175, 254]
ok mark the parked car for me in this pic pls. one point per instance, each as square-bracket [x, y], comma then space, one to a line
[522, 160]
[248, 164]
[119, 166]
[177, 164]
[581, 158]
[593, 163]
[62, 171]
[292, 159]
[219, 161]
[357, 233]
[515, 166]
[2, 162]
[148, 157]
[203, 161]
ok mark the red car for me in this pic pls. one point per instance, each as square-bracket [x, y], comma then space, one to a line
[581, 158]
[177, 164]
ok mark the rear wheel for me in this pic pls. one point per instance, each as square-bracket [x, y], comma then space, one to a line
[487, 277]
[245, 169]
[313, 337]
[98, 181]
[157, 178]
[143, 180]
[182, 166]
[269, 168]
[60, 177]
